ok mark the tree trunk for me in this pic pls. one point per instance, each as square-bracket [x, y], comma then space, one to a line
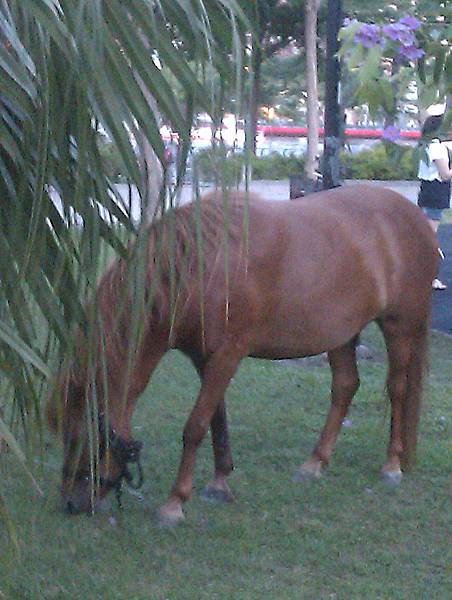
[333, 117]
[151, 169]
[150, 166]
[251, 130]
[312, 7]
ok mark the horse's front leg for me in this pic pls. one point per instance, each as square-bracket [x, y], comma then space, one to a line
[216, 376]
[217, 490]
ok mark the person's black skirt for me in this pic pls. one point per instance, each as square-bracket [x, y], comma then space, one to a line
[434, 194]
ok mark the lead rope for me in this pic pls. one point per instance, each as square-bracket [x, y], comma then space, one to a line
[127, 475]
[125, 453]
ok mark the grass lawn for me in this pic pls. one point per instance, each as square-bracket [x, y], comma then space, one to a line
[447, 216]
[345, 537]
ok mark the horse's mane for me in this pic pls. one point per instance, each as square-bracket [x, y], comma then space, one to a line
[200, 227]
[179, 244]
[182, 245]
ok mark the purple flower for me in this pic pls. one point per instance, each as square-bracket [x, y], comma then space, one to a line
[400, 33]
[348, 22]
[411, 52]
[411, 22]
[391, 133]
[368, 35]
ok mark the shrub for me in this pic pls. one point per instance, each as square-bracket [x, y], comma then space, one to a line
[383, 161]
[276, 166]
[218, 165]
[222, 167]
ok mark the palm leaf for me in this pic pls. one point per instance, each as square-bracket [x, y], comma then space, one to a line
[67, 70]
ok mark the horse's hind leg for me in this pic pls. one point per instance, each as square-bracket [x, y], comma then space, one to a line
[345, 382]
[406, 346]
[218, 490]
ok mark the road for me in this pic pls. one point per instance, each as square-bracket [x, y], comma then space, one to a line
[269, 190]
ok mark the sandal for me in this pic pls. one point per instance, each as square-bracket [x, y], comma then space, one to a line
[437, 284]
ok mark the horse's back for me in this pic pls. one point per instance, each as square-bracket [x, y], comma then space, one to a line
[303, 276]
[375, 221]
[323, 266]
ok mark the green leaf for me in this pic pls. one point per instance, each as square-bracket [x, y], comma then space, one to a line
[6, 435]
[9, 337]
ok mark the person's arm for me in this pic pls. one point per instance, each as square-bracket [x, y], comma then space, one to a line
[443, 169]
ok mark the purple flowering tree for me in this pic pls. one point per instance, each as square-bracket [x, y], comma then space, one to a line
[386, 58]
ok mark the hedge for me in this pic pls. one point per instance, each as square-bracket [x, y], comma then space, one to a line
[222, 167]
[383, 162]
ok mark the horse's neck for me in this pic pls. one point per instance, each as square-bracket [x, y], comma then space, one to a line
[128, 384]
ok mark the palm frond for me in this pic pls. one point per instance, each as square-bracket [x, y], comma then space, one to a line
[69, 70]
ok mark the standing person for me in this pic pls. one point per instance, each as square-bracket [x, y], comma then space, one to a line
[173, 157]
[435, 174]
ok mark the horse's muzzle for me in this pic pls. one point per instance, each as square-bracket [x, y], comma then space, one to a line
[80, 499]
[74, 504]
[71, 508]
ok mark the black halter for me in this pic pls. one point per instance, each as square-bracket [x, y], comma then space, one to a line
[124, 452]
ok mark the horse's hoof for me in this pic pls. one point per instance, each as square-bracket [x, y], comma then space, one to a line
[306, 475]
[392, 478]
[217, 495]
[169, 518]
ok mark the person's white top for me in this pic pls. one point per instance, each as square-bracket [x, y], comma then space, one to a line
[435, 150]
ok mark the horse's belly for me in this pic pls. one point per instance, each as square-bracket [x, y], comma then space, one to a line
[297, 331]
[290, 345]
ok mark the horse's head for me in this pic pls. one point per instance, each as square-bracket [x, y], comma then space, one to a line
[96, 456]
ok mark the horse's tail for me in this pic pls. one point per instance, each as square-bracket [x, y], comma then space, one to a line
[412, 403]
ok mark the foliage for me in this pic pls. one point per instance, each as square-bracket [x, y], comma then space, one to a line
[277, 23]
[379, 56]
[380, 163]
[222, 167]
[226, 168]
[276, 166]
[69, 70]
[279, 539]
[219, 166]
[282, 85]
[408, 46]
[111, 159]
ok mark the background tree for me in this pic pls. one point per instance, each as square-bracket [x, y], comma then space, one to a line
[283, 85]
[397, 47]
[312, 8]
[277, 23]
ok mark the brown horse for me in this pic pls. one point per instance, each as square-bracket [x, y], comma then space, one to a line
[262, 279]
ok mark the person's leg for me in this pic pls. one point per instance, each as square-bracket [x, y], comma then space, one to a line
[434, 225]
[434, 218]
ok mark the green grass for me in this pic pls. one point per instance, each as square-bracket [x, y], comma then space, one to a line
[347, 536]
[447, 216]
